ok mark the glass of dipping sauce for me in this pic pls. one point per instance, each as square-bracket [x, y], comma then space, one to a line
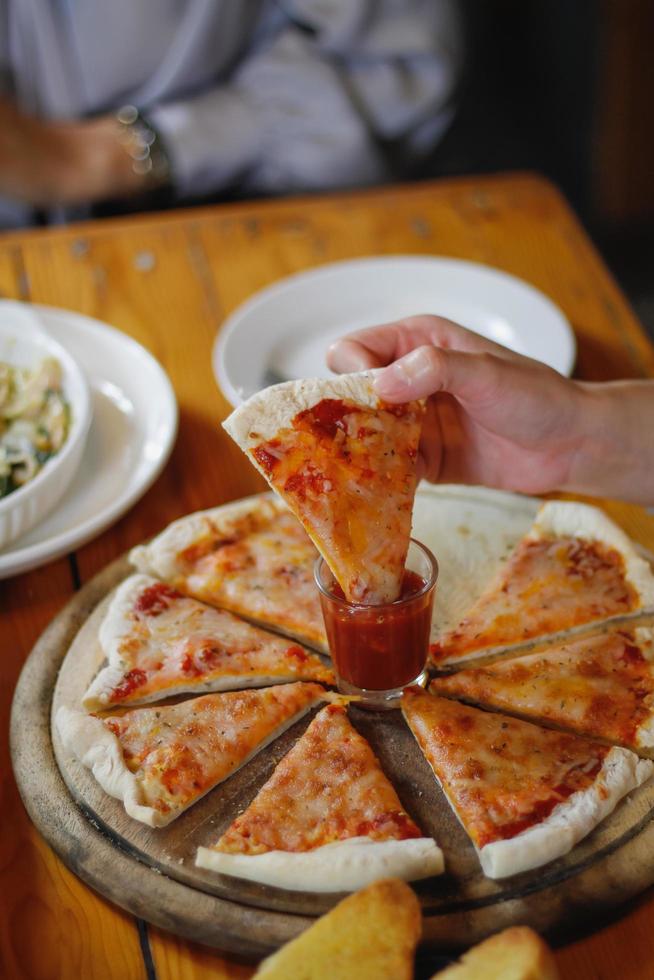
[377, 651]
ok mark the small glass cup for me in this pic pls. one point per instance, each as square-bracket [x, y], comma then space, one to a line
[377, 651]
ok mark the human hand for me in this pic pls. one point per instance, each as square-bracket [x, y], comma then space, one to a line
[493, 417]
[45, 163]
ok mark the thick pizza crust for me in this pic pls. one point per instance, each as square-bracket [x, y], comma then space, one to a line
[99, 750]
[263, 415]
[570, 821]
[568, 519]
[160, 556]
[118, 621]
[337, 867]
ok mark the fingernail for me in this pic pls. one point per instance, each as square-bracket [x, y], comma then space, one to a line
[400, 376]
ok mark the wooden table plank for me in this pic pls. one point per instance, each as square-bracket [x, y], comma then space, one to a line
[51, 924]
[168, 280]
[521, 226]
[176, 958]
[624, 949]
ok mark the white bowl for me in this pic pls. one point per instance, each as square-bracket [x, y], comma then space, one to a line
[24, 343]
[283, 331]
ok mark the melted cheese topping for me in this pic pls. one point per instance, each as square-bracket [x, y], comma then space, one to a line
[547, 585]
[177, 644]
[330, 787]
[179, 752]
[263, 570]
[500, 775]
[602, 686]
[349, 473]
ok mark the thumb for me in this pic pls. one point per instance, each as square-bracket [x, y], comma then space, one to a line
[428, 369]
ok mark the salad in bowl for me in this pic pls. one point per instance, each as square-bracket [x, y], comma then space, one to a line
[45, 413]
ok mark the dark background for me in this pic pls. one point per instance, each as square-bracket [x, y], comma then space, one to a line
[566, 87]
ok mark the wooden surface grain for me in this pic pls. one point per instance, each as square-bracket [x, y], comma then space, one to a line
[168, 280]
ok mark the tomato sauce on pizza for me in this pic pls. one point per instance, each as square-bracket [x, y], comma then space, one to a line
[601, 686]
[501, 775]
[328, 788]
[548, 585]
[345, 462]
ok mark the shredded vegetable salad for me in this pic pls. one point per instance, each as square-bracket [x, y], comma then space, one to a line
[34, 421]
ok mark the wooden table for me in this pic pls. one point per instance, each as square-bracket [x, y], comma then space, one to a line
[169, 280]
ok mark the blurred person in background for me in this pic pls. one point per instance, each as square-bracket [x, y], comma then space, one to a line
[115, 101]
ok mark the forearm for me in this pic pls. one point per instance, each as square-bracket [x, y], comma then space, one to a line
[615, 454]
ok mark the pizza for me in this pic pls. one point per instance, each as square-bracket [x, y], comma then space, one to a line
[601, 686]
[250, 557]
[345, 463]
[524, 794]
[327, 820]
[574, 568]
[160, 643]
[161, 760]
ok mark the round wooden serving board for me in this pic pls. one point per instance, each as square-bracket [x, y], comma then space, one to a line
[151, 872]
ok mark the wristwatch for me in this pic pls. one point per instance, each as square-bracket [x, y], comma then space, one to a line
[144, 145]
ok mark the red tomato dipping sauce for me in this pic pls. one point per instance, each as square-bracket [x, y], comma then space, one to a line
[379, 650]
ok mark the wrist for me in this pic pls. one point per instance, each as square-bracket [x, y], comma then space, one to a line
[615, 454]
[144, 146]
[99, 159]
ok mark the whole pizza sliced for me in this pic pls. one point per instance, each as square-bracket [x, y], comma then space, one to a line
[161, 760]
[574, 567]
[524, 794]
[327, 820]
[250, 557]
[345, 463]
[601, 686]
[160, 643]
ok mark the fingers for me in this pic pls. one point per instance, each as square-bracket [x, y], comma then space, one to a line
[428, 370]
[348, 355]
[381, 345]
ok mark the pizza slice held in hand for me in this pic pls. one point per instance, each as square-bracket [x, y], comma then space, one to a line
[601, 686]
[574, 568]
[251, 557]
[345, 463]
[160, 643]
[161, 760]
[524, 794]
[327, 820]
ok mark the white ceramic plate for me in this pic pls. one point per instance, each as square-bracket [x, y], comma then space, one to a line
[24, 344]
[283, 331]
[131, 437]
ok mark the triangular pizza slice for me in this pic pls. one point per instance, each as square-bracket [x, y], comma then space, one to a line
[524, 794]
[161, 760]
[251, 557]
[574, 568]
[327, 820]
[601, 686]
[159, 643]
[345, 463]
